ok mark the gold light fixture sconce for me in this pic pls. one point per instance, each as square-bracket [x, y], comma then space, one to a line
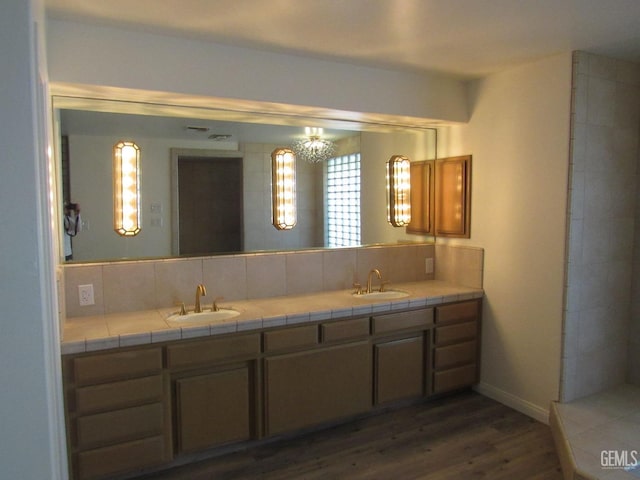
[398, 191]
[283, 185]
[126, 189]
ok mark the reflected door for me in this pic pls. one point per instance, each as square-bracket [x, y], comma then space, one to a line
[210, 205]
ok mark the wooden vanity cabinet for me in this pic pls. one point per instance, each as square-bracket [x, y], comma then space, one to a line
[214, 389]
[117, 412]
[135, 408]
[456, 346]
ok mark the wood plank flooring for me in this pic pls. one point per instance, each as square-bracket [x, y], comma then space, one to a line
[465, 436]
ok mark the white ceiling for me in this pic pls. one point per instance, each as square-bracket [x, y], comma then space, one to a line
[468, 38]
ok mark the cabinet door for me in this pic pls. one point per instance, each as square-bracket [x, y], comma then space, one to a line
[400, 371]
[309, 388]
[453, 197]
[213, 409]
[422, 198]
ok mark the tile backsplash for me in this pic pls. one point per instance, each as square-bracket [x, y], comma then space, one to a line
[148, 284]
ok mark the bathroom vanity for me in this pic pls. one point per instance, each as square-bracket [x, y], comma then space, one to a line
[133, 408]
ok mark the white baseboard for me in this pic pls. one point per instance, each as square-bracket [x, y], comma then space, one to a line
[512, 401]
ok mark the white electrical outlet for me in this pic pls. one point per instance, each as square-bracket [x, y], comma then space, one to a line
[428, 265]
[85, 293]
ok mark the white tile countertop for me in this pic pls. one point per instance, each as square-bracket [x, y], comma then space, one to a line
[101, 332]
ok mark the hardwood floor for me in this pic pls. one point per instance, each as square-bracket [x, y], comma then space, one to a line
[465, 436]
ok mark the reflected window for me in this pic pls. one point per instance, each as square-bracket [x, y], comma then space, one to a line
[343, 201]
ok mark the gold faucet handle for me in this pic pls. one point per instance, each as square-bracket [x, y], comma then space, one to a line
[215, 307]
[358, 288]
[383, 285]
[183, 310]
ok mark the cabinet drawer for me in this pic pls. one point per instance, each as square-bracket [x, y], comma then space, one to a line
[120, 458]
[399, 321]
[120, 425]
[213, 350]
[305, 336]
[344, 330]
[454, 378]
[458, 312]
[456, 333]
[109, 396]
[458, 354]
[117, 366]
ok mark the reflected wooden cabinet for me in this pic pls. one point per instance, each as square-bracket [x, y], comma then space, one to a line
[441, 197]
[422, 198]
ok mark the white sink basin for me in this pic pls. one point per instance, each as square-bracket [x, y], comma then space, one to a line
[386, 295]
[204, 317]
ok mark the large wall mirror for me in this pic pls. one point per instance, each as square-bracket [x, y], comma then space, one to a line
[235, 149]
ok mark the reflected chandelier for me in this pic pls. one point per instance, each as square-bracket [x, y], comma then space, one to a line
[314, 149]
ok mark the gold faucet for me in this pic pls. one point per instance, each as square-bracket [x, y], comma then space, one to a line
[200, 290]
[378, 274]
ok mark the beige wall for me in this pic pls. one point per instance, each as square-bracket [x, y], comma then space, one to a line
[518, 135]
[94, 55]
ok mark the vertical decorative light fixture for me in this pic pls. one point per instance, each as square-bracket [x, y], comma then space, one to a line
[126, 189]
[283, 185]
[398, 191]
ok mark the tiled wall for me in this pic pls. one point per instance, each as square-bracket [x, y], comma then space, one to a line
[148, 284]
[601, 218]
[460, 265]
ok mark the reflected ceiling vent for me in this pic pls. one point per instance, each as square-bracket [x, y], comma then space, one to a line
[198, 128]
[219, 137]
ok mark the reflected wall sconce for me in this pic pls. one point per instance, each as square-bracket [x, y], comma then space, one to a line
[283, 188]
[314, 148]
[126, 189]
[398, 191]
